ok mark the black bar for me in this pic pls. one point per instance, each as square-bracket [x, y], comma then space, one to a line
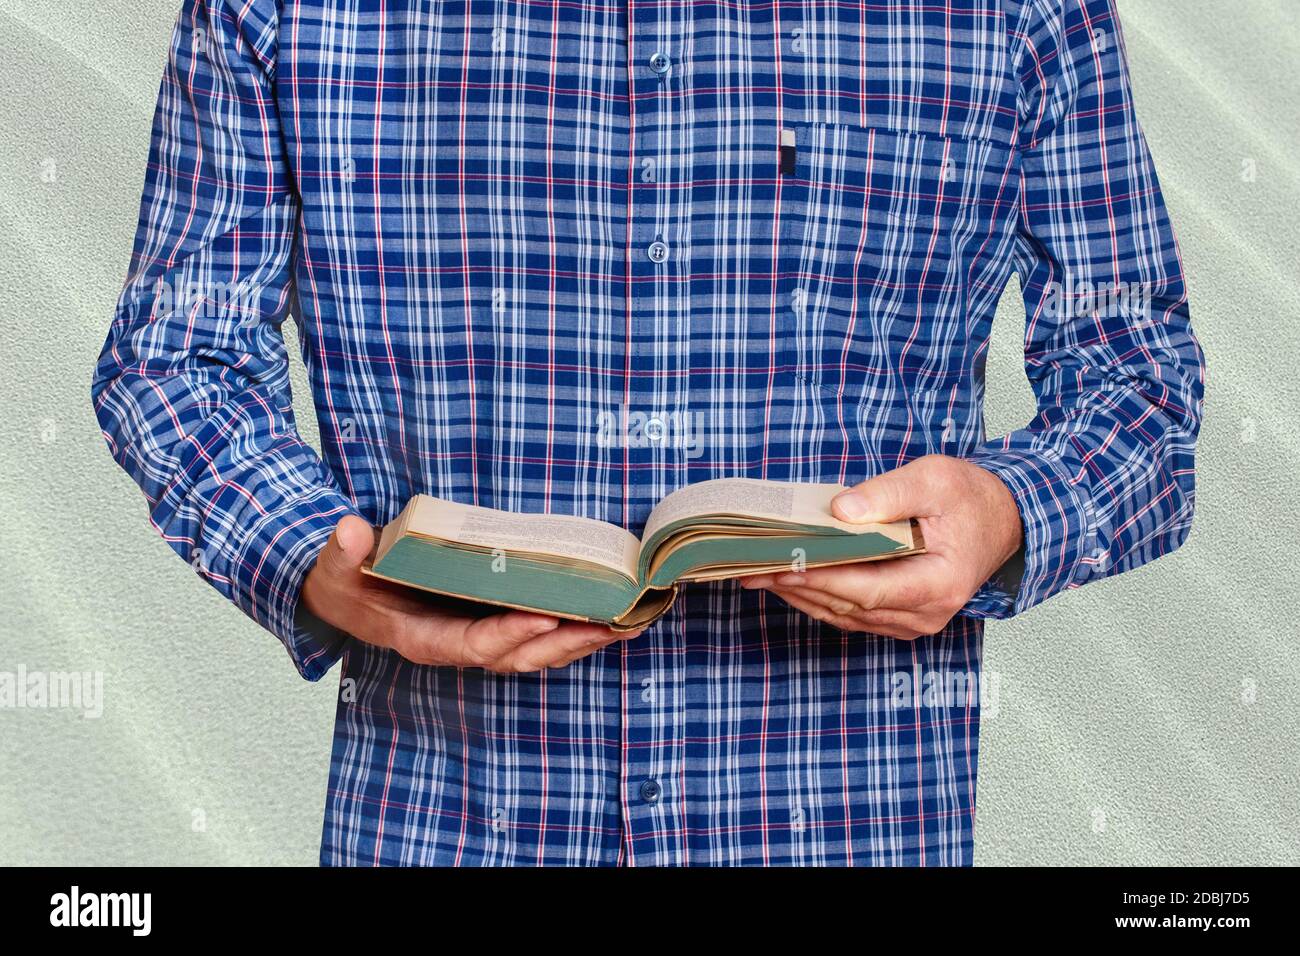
[223, 905]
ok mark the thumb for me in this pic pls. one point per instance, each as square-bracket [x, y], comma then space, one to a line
[348, 547]
[891, 496]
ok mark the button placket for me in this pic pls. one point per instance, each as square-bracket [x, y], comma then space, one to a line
[652, 691]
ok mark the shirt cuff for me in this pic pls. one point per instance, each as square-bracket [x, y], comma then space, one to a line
[273, 562]
[1056, 515]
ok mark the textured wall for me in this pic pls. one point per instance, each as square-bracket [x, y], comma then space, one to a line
[1151, 718]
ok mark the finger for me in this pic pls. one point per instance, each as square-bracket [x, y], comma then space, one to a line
[902, 624]
[857, 623]
[614, 637]
[347, 548]
[564, 645]
[487, 639]
[819, 612]
[433, 637]
[913, 491]
[904, 583]
[832, 603]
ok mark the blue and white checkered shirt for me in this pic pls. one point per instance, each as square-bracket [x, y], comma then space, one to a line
[501, 226]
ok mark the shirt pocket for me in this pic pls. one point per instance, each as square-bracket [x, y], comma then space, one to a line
[881, 233]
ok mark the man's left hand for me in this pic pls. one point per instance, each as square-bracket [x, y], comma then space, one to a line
[971, 527]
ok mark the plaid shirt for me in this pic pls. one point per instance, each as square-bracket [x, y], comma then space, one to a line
[500, 225]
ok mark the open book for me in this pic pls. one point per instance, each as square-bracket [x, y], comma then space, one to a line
[591, 570]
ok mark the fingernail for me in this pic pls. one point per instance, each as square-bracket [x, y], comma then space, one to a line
[850, 506]
[545, 627]
[752, 583]
[790, 580]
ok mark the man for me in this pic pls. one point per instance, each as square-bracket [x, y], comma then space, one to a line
[496, 223]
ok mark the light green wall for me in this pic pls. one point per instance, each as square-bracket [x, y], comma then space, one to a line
[1151, 718]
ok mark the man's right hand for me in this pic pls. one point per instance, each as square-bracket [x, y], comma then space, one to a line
[389, 616]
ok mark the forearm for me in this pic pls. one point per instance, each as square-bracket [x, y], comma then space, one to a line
[192, 387]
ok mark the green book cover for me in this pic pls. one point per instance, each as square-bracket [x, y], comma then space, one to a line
[590, 570]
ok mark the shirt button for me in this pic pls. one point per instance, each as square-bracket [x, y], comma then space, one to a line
[654, 429]
[651, 791]
[657, 252]
[659, 62]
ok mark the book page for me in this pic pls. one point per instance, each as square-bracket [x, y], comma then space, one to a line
[562, 536]
[781, 501]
